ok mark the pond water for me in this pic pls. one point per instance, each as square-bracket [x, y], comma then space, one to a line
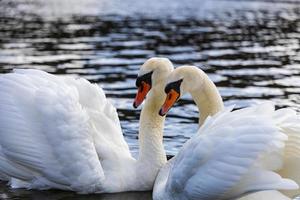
[250, 49]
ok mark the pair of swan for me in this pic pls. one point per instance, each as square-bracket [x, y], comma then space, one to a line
[217, 163]
[62, 133]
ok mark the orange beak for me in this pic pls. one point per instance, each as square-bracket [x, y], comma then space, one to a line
[172, 97]
[141, 94]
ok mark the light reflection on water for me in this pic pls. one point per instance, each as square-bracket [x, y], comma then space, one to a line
[250, 49]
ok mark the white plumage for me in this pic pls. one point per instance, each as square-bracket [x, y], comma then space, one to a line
[61, 132]
[225, 159]
[58, 132]
[233, 153]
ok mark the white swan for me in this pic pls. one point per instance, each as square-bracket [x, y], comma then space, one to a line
[236, 152]
[63, 133]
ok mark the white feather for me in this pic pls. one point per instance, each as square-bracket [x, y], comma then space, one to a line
[57, 132]
[228, 158]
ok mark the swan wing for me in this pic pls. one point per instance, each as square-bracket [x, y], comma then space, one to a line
[282, 158]
[103, 117]
[222, 161]
[49, 131]
[289, 122]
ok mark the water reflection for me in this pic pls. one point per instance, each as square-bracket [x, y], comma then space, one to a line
[249, 50]
[14, 194]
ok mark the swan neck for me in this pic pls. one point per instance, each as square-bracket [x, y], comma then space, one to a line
[208, 100]
[151, 150]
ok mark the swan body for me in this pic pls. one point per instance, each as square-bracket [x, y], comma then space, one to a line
[216, 163]
[62, 133]
[227, 158]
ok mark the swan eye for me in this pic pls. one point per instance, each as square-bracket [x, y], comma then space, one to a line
[173, 85]
[146, 78]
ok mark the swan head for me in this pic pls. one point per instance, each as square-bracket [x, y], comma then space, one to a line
[182, 80]
[152, 74]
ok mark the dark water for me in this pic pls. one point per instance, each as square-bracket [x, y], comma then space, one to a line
[250, 49]
[20, 194]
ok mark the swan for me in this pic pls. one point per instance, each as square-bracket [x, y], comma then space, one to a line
[233, 152]
[62, 133]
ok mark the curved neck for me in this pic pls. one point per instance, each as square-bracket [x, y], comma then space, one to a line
[209, 100]
[152, 155]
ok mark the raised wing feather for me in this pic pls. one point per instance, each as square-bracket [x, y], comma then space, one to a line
[289, 123]
[50, 126]
[217, 162]
[103, 116]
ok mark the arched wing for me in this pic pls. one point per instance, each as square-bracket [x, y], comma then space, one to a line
[50, 132]
[222, 161]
